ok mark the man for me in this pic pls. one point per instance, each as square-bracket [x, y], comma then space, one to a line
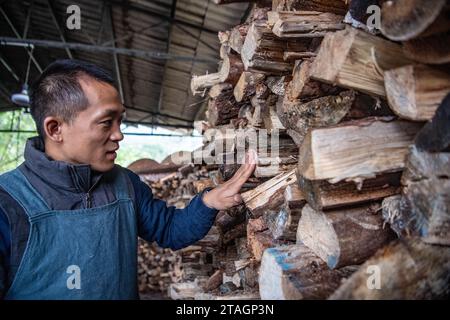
[69, 217]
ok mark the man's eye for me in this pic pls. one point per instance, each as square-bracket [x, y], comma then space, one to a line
[107, 122]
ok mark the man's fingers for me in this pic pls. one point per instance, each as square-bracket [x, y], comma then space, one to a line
[246, 169]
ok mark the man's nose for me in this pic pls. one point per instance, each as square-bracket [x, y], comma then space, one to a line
[117, 135]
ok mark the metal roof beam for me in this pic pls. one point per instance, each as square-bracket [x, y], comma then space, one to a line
[19, 37]
[155, 55]
[51, 8]
[9, 68]
[169, 38]
[162, 16]
[115, 58]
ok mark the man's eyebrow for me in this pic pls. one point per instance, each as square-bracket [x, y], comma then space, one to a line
[111, 112]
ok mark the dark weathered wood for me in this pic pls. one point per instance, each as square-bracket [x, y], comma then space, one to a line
[435, 135]
[407, 270]
[403, 20]
[301, 117]
[294, 272]
[334, 6]
[277, 85]
[434, 49]
[322, 195]
[415, 92]
[357, 149]
[427, 194]
[343, 237]
[303, 87]
[223, 107]
[263, 51]
[304, 24]
[357, 59]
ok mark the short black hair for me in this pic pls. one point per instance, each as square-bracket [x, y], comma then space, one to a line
[57, 91]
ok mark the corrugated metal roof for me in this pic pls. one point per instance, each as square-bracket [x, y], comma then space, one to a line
[158, 86]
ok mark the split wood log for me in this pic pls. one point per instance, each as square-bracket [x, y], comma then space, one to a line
[408, 270]
[415, 92]
[322, 195]
[237, 37]
[361, 148]
[304, 24]
[246, 85]
[358, 60]
[302, 86]
[294, 272]
[343, 237]
[229, 72]
[268, 195]
[222, 107]
[263, 51]
[301, 117]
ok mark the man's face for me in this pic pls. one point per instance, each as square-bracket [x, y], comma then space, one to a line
[93, 136]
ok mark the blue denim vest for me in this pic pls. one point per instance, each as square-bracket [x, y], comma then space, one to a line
[76, 254]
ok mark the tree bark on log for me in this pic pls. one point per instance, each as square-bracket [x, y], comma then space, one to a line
[301, 117]
[434, 49]
[435, 135]
[343, 237]
[322, 195]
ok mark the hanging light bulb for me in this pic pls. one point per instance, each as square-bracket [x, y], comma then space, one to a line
[22, 98]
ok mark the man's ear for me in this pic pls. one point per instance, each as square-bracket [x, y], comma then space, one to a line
[53, 128]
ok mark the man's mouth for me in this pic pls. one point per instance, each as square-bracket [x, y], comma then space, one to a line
[111, 155]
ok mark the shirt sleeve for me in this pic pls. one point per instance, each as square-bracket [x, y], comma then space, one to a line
[170, 227]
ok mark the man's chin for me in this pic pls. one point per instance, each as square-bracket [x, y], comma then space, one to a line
[104, 166]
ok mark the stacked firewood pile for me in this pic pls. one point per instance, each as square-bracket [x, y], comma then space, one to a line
[351, 123]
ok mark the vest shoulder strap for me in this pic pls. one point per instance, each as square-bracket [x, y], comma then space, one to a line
[19, 188]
